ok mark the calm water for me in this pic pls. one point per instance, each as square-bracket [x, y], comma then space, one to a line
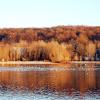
[73, 82]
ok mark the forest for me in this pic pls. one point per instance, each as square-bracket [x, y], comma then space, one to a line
[55, 44]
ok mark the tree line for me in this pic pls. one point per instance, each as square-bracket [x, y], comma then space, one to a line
[56, 44]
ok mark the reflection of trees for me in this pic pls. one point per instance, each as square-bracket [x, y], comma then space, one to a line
[86, 78]
[98, 77]
[61, 80]
[81, 80]
[90, 77]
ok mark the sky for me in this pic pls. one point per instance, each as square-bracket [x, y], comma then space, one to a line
[48, 13]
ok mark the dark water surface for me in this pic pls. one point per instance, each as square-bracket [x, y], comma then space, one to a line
[73, 82]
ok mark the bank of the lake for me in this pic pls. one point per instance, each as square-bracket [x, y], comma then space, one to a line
[44, 63]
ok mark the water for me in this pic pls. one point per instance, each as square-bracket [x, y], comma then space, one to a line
[72, 82]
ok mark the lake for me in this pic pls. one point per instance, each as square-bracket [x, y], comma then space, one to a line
[70, 82]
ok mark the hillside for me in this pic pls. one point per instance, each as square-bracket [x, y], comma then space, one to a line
[56, 44]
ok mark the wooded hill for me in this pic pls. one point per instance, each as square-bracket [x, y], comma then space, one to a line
[56, 44]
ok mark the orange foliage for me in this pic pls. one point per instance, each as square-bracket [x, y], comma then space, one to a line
[56, 44]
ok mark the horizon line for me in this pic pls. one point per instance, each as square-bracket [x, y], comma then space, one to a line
[69, 25]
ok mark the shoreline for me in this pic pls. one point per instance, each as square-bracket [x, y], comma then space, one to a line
[47, 63]
[86, 62]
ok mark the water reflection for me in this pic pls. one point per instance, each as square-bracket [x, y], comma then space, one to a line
[77, 82]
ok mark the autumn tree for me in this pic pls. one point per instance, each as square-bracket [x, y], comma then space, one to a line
[90, 49]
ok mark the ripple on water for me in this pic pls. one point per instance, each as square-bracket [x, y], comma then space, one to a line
[44, 93]
[26, 95]
[37, 68]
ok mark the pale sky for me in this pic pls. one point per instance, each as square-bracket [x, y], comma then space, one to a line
[47, 13]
